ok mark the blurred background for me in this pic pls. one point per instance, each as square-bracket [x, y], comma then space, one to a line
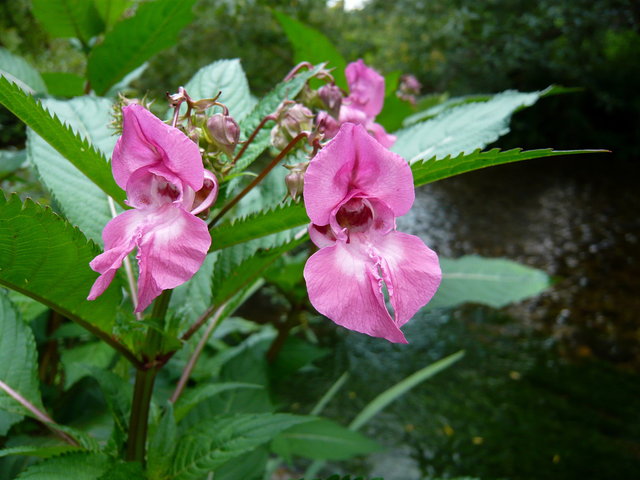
[549, 388]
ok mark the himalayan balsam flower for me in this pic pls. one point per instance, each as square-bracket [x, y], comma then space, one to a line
[364, 103]
[354, 189]
[161, 171]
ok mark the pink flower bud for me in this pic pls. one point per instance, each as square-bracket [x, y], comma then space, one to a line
[331, 96]
[292, 119]
[295, 179]
[224, 132]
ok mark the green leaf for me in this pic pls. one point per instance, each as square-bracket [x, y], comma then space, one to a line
[61, 137]
[257, 225]
[322, 439]
[45, 258]
[192, 397]
[111, 10]
[68, 18]
[131, 42]
[491, 281]
[11, 160]
[41, 451]
[210, 444]
[309, 45]
[250, 466]
[75, 360]
[124, 471]
[64, 84]
[224, 76]
[18, 359]
[162, 446]
[462, 129]
[233, 274]
[427, 171]
[266, 106]
[402, 387]
[81, 201]
[190, 299]
[17, 70]
[82, 466]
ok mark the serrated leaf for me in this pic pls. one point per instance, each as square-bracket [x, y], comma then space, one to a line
[68, 18]
[75, 149]
[462, 129]
[250, 466]
[190, 299]
[17, 69]
[83, 203]
[83, 466]
[124, 471]
[266, 106]
[41, 451]
[209, 445]
[18, 359]
[490, 281]
[322, 439]
[224, 76]
[45, 258]
[131, 42]
[310, 45]
[162, 446]
[237, 272]
[192, 397]
[75, 360]
[257, 225]
[427, 171]
[64, 84]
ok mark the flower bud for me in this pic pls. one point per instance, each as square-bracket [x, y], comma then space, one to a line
[295, 179]
[331, 96]
[224, 132]
[292, 119]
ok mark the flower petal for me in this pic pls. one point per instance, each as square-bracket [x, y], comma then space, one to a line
[355, 162]
[146, 140]
[366, 88]
[173, 246]
[344, 285]
[120, 236]
[411, 272]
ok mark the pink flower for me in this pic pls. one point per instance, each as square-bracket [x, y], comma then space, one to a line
[353, 191]
[161, 171]
[364, 103]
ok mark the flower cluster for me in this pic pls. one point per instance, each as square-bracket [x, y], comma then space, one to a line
[354, 189]
[161, 171]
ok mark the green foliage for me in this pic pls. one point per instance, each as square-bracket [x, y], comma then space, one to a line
[464, 128]
[17, 70]
[63, 84]
[125, 471]
[131, 42]
[491, 281]
[322, 439]
[310, 45]
[224, 76]
[38, 451]
[208, 445]
[44, 257]
[18, 360]
[402, 387]
[259, 224]
[75, 149]
[84, 466]
[69, 18]
[11, 160]
[83, 203]
[162, 446]
[236, 271]
[194, 396]
[111, 10]
[286, 90]
[428, 171]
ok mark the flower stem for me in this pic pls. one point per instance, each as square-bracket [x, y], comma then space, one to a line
[251, 138]
[258, 179]
[143, 388]
[184, 378]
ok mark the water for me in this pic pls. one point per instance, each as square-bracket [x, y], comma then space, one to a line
[548, 388]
